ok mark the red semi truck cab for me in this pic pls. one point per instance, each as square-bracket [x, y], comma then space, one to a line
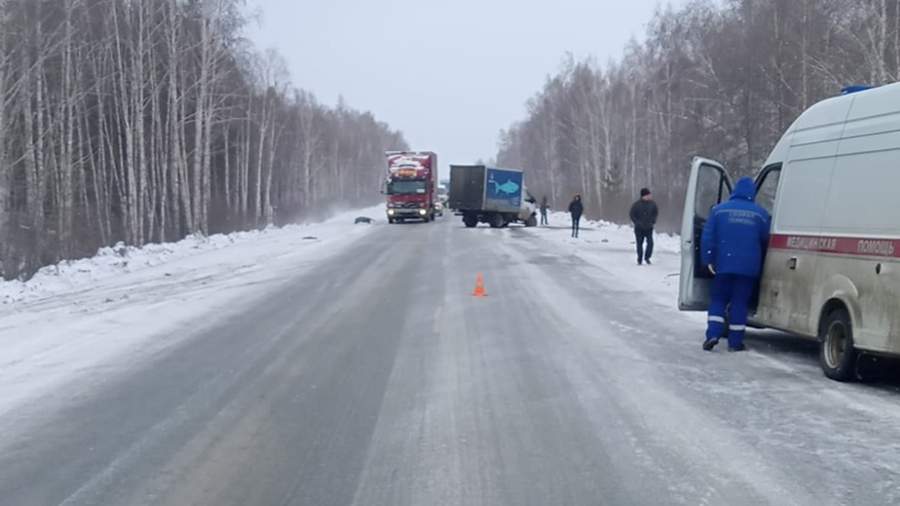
[411, 185]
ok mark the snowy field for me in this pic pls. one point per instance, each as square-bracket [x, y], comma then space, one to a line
[102, 314]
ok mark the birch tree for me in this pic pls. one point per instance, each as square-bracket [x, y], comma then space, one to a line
[720, 79]
[134, 121]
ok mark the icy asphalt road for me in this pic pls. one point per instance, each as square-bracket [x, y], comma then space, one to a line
[375, 378]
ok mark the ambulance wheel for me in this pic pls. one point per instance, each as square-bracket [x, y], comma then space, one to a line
[837, 356]
[497, 221]
[470, 221]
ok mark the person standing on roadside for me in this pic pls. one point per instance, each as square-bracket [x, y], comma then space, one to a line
[733, 247]
[544, 207]
[576, 209]
[643, 214]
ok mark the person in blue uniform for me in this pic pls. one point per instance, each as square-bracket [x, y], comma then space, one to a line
[733, 248]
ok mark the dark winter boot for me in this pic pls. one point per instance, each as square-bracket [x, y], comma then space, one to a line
[709, 344]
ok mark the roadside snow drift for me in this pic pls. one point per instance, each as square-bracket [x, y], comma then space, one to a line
[102, 314]
[611, 246]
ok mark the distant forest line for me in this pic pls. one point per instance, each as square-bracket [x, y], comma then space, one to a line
[149, 120]
[712, 78]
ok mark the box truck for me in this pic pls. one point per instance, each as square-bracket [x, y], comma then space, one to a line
[489, 195]
[832, 270]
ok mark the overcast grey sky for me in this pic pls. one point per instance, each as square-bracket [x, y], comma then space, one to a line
[448, 73]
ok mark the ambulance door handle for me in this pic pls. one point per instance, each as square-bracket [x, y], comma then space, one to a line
[792, 264]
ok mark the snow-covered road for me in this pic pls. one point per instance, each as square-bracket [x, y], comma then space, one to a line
[356, 368]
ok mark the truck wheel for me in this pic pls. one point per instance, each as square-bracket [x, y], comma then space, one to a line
[837, 356]
[391, 220]
[470, 221]
[531, 221]
[497, 221]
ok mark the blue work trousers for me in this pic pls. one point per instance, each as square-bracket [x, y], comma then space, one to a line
[731, 294]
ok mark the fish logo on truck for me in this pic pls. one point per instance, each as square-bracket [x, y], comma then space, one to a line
[503, 189]
[509, 187]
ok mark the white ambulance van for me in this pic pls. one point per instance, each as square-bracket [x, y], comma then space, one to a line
[832, 270]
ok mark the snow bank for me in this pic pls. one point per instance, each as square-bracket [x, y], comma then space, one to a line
[102, 314]
[611, 247]
[560, 225]
[71, 275]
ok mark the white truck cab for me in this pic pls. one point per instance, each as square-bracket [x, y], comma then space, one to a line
[528, 214]
[832, 270]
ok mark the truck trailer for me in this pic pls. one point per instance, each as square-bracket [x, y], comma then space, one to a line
[411, 186]
[490, 195]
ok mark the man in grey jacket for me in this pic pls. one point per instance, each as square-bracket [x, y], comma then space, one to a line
[643, 214]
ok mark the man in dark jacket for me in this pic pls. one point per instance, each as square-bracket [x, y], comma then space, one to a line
[576, 209]
[643, 214]
[544, 207]
[733, 247]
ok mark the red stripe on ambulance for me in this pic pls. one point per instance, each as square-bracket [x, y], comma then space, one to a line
[860, 246]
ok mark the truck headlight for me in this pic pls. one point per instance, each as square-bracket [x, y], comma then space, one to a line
[390, 212]
[423, 212]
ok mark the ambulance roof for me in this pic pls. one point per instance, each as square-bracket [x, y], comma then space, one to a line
[864, 104]
[826, 120]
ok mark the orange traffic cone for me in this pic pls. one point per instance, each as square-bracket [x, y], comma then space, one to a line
[479, 287]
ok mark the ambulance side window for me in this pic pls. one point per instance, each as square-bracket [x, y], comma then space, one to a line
[712, 189]
[767, 187]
